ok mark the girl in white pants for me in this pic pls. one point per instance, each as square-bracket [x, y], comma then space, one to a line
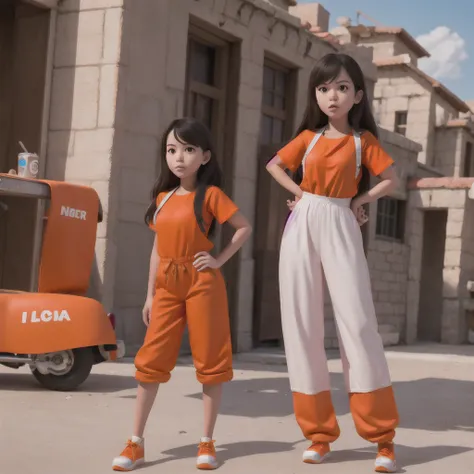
[335, 147]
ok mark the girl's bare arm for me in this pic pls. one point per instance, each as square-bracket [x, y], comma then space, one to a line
[389, 183]
[276, 168]
[242, 233]
[154, 262]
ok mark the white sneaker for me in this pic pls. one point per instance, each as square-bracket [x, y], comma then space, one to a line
[385, 461]
[316, 453]
[206, 458]
[131, 457]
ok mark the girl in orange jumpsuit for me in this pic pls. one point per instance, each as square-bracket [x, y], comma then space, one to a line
[185, 283]
[335, 148]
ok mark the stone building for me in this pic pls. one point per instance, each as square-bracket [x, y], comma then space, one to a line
[101, 79]
[438, 223]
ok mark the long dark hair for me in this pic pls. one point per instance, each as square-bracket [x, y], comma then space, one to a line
[360, 116]
[193, 132]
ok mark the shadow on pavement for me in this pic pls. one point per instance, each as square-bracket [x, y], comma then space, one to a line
[434, 348]
[430, 404]
[406, 455]
[96, 383]
[409, 456]
[227, 452]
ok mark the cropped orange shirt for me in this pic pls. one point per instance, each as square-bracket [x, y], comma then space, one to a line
[330, 167]
[178, 232]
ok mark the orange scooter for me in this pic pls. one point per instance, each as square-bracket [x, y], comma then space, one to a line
[53, 327]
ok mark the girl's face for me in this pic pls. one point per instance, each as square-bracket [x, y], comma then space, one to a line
[336, 98]
[184, 160]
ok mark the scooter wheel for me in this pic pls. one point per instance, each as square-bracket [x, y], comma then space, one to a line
[83, 359]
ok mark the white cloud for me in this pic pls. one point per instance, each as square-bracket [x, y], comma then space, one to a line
[448, 51]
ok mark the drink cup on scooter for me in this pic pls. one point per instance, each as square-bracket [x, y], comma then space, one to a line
[28, 164]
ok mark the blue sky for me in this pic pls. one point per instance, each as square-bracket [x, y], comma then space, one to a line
[448, 25]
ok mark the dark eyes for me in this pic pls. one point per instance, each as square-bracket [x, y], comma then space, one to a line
[342, 88]
[188, 149]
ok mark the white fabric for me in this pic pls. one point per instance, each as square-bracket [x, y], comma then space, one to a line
[314, 457]
[358, 147]
[323, 232]
[162, 203]
[126, 463]
[387, 463]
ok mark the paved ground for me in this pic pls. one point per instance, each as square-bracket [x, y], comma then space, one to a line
[44, 432]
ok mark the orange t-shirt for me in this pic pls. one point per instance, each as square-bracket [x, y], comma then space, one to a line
[330, 167]
[178, 232]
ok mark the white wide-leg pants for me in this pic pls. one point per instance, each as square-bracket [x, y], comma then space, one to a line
[323, 234]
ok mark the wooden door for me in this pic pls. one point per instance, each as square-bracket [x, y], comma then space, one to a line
[271, 211]
[271, 215]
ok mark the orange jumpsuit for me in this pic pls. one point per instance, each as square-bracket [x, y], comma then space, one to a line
[184, 294]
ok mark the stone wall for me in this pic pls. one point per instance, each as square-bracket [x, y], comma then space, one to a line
[399, 89]
[467, 136]
[388, 260]
[386, 46]
[119, 79]
[467, 263]
[7, 30]
[452, 321]
[440, 111]
[447, 148]
[82, 115]
[151, 94]
[455, 201]
[450, 149]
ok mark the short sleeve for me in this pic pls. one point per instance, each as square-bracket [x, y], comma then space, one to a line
[220, 205]
[292, 154]
[374, 157]
[159, 198]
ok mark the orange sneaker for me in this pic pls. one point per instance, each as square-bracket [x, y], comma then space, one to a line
[385, 461]
[206, 458]
[316, 453]
[131, 457]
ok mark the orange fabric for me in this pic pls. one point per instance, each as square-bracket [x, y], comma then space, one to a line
[132, 451]
[68, 246]
[178, 231]
[386, 450]
[316, 417]
[206, 449]
[38, 323]
[322, 449]
[331, 165]
[199, 298]
[185, 295]
[375, 414]
[72, 224]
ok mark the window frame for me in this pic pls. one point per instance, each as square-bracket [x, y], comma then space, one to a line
[218, 92]
[285, 114]
[385, 219]
[398, 126]
[468, 171]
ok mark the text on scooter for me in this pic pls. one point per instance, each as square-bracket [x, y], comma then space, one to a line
[45, 316]
[75, 213]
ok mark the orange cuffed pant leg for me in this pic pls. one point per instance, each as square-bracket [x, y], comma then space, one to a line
[316, 417]
[157, 357]
[209, 327]
[375, 414]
